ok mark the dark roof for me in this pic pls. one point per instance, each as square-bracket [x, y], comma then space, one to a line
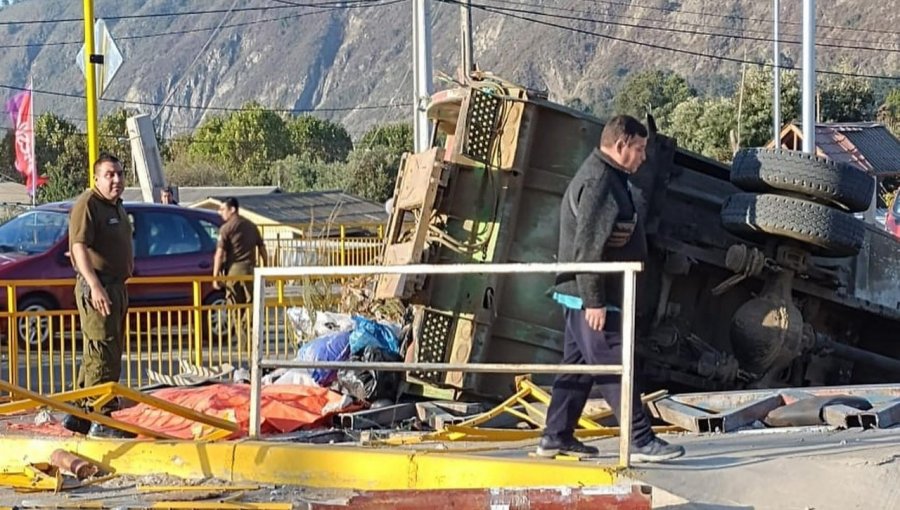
[192, 194]
[314, 207]
[867, 145]
[132, 206]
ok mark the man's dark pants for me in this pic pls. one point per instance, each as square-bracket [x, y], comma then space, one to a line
[238, 294]
[103, 337]
[585, 346]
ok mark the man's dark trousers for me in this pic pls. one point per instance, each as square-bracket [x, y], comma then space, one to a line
[586, 346]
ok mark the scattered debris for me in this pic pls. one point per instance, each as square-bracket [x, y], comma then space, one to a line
[73, 464]
[873, 406]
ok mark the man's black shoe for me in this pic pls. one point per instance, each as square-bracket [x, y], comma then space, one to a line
[76, 424]
[550, 448]
[104, 432]
[655, 451]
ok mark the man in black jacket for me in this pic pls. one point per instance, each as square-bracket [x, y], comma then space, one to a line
[599, 223]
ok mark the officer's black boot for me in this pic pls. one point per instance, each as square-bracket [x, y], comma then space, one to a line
[98, 430]
[76, 424]
[102, 431]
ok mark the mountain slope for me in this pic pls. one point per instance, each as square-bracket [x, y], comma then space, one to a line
[333, 59]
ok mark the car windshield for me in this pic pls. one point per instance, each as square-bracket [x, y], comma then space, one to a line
[33, 232]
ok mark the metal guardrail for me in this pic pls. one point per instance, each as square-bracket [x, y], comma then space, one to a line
[157, 338]
[625, 369]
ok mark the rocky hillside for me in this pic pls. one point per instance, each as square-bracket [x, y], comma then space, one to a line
[339, 56]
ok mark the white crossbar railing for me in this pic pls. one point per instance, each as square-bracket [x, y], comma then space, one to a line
[626, 369]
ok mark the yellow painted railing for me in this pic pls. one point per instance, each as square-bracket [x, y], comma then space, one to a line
[42, 348]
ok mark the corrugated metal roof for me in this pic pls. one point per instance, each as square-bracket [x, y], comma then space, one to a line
[188, 195]
[315, 207]
[867, 145]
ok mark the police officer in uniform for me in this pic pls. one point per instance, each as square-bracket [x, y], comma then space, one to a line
[599, 223]
[239, 247]
[100, 236]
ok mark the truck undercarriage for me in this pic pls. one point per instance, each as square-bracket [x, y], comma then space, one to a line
[758, 276]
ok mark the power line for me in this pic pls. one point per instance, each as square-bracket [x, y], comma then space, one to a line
[736, 17]
[691, 32]
[661, 47]
[330, 3]
[688, 24]
[209, 29]
[211, 108]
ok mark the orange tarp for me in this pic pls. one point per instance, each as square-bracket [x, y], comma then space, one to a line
[285, 408]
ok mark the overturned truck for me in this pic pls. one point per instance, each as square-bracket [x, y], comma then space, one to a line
[759, 274]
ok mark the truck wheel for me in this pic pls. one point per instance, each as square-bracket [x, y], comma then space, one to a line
[826, 231]
[833, 183]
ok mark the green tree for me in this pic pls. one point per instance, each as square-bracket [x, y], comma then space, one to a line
[369, 173]
[297, 173]
[186, 169]
[113, 138]
[889, 112]
[397, 137]
[755, 122]
[704, 126]
[315, 139]
[61, 154]
[656, 91]
[846, 98]
[67, 176]
[245, 143]
[8, 170]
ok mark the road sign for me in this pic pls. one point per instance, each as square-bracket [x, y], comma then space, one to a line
[112, 57]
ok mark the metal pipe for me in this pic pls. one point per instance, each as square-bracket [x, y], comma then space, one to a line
[864, 357]
[567, 267]
[629, 300]
[422, 83]
[497, 368]
[465, 37]
[776, 99]
[809, 76]
[259, 305]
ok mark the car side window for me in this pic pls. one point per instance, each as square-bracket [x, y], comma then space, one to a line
[171, 234]
[211, 230]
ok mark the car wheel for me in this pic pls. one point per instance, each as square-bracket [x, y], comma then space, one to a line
[34, 331]
[822, 180]
[215, 320]
[825, 231]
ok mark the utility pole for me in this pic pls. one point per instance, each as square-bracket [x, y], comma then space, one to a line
[422, 82]
[809, 76]
[776, 99]
[90, 87]
[465, 37]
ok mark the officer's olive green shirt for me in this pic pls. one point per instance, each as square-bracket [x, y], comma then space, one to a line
[240, 239]
[103, 227]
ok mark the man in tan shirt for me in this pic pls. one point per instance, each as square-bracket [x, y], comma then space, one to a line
[100, 236]
[239, 248]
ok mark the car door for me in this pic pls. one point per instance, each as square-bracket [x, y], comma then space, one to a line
[171, 244]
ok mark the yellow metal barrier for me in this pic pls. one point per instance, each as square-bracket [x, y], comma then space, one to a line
[204, 331]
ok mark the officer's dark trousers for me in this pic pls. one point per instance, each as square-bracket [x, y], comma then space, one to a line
[586, 346]
[103, 336]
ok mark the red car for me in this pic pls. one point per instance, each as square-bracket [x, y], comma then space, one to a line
[168, 241]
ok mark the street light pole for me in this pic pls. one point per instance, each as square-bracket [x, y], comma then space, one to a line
[776, 99]
[90, 87]
[809, 76]
[422, 73]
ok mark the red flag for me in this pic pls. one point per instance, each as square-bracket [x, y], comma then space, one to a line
[19, 108]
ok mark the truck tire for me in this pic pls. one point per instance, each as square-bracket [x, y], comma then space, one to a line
[768, 170]
[826, 231]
